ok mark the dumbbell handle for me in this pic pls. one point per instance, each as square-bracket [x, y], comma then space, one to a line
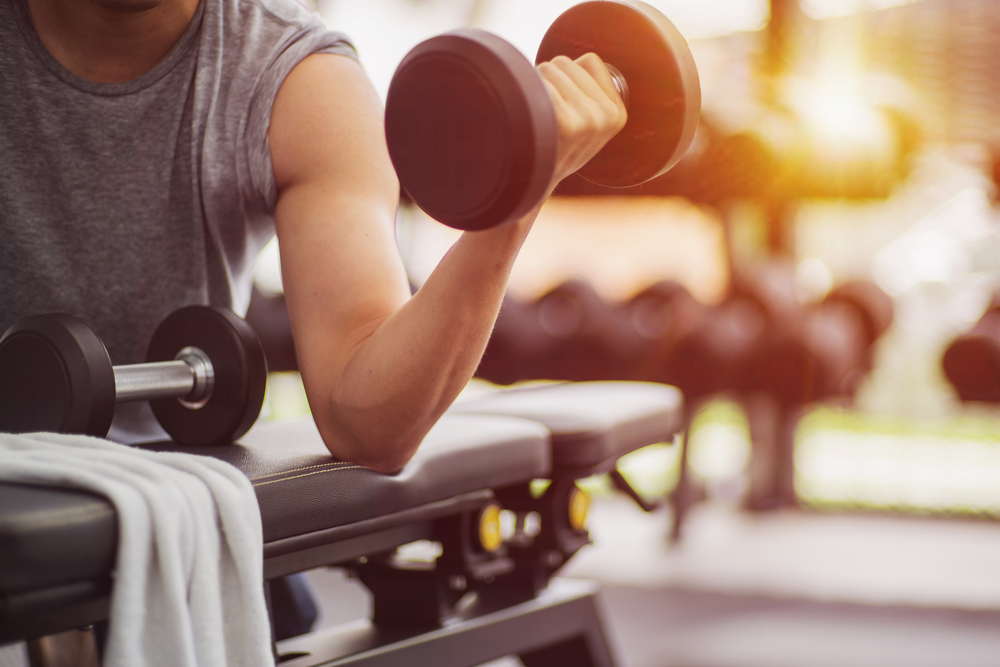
[190, 377]
[621, 85]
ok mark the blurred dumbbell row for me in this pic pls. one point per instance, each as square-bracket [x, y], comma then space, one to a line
[972, 361]
[760, 338]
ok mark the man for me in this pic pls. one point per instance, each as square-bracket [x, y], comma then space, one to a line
[150, 147]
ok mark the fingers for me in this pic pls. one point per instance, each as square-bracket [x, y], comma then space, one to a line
[586, 94]
[581, 80]
[592, 64]
[588, 109]
[554, 94]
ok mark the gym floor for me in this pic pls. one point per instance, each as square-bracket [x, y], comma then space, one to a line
[785, 589]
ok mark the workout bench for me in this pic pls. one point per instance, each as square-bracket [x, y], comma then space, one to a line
[57, 546]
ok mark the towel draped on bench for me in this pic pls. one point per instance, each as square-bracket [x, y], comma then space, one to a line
[188, 579]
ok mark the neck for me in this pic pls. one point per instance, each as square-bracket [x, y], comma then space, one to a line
[110, 41]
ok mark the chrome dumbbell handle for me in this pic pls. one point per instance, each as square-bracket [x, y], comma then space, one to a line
[189, 377]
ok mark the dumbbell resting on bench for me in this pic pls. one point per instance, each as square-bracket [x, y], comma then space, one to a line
[205, 378]
[318, 511]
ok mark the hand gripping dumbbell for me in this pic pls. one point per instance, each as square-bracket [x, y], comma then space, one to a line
[472, 132]
[204, 377]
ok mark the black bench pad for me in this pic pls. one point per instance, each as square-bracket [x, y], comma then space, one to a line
[302, 489]
[592, 423]
[52, 538]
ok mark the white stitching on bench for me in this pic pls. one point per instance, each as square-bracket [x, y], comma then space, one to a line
[285, 472]
[317, 472]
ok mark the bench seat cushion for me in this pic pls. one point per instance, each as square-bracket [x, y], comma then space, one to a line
[301, 488]
[592, 423]
[58, 544]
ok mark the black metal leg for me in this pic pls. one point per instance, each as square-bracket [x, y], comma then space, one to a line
[270, 616]
[589, 649]
[789, 416]
[562, 626]
[763, 418]
[685, 494]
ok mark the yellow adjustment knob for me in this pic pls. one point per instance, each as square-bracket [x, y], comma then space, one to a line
[579, 507]
[490, 535]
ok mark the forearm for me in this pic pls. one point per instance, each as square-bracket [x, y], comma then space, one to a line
[404, 375]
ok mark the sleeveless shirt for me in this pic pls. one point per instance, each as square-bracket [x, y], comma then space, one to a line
[121, 202]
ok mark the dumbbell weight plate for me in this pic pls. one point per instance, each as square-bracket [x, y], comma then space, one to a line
[871, 303]
[664, 91]
[55, 376]
[972, 365]
[240, 375]
[470, 128]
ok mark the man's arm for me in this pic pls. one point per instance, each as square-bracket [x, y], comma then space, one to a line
[380, 367]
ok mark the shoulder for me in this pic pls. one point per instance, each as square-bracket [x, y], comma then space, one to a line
[325, 110]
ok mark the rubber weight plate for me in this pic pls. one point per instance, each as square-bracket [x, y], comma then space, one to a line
[470, 129]
[240, 375]
[55, 376]
[664, 91]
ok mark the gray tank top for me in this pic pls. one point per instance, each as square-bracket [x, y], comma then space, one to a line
[120, 203]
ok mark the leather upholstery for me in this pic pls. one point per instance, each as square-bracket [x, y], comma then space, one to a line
[51, 537]
[301, 488]
[57, 550]
[592, 423]
[41, 526]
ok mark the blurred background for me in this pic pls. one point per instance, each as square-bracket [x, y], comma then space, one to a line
[819, 275]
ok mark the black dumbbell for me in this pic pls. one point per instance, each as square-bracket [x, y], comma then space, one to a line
[204, 377]
[821, 355]
[972, 361]
[714, 351]
[823, 350]
[650, 324]
[268, 317]
[577, 334]
[873, 306]
[472, 132]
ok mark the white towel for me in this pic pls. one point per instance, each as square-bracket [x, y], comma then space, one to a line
[188, 585]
